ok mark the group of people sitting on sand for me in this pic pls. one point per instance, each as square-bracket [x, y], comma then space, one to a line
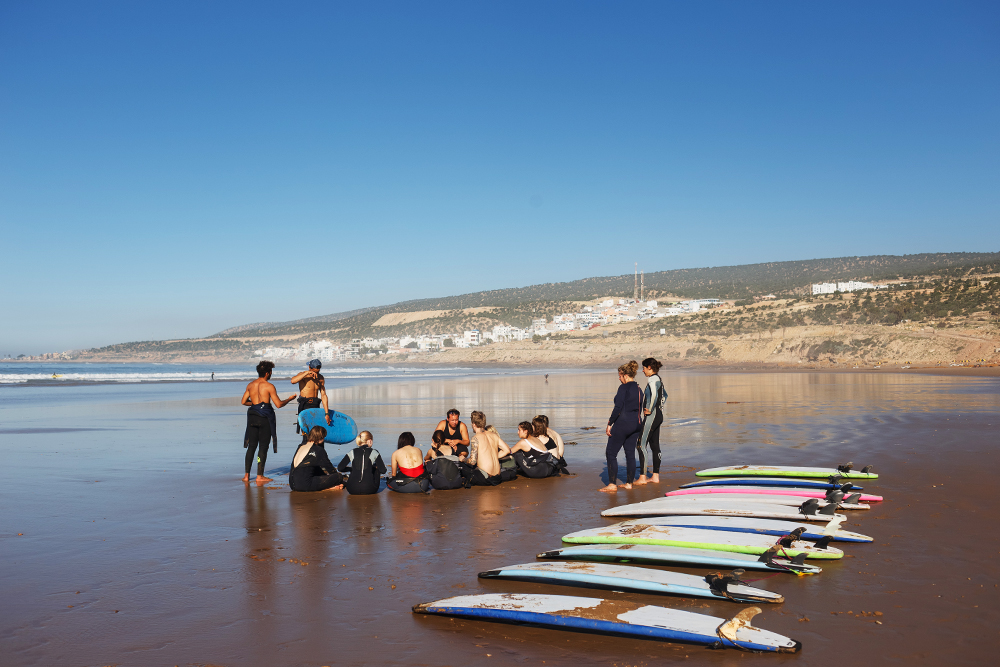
[454, 459]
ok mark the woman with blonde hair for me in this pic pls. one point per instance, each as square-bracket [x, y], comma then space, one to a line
[624, 426]
[365, 466]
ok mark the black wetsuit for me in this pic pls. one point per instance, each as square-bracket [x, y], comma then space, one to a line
[366, 469]
[260, 431]
[314, 472]
[625, 430]
[306, 404]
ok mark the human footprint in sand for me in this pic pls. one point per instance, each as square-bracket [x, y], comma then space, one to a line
[624, 426]
[261, 420]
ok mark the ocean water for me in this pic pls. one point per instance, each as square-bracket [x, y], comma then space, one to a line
[41, 373]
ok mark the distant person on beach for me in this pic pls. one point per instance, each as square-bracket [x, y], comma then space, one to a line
[485, 452]
[456, 434]
[364, 465]
[261, 419]
[213, 375]
[653, 399]
[624, 426]
[311, 467]
[407, 464]
[312, 391]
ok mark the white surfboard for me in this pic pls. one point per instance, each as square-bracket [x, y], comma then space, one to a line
[660, 555]
[720, 508]
[629, 578]
[617, 617]
[747, 543]
[771, 527]
[785, 471]
[791, 501]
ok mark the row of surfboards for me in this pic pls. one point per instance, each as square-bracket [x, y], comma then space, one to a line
[743, 517]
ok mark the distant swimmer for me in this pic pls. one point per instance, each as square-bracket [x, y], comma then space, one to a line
[485, 452]
[312, 391]
[213, 375]
[456, 433]
[311, 467]
[365, 466]
[407, 464]
[261, 427]
[546, 378]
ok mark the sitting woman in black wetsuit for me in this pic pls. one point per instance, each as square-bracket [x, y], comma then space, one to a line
[311, 467]
[439, 447]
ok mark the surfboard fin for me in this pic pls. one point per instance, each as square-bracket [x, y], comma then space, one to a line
[809, 507]
[834, 479]
[834, 495]
[846, 487]
[823, 542]
[800, 559]
[846, 467]
[729, 629]
[768, 556]
[867, 469]
[853, 498]
[830, 509]
[833, 526]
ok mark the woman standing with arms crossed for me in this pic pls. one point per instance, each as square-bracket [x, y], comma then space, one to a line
[652, 400]
[624, 426]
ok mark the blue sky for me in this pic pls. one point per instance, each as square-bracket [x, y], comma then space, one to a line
[172, 169]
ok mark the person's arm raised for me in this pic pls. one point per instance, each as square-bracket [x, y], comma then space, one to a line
[298, 376]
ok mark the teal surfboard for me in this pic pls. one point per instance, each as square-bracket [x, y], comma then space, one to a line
[342, 431]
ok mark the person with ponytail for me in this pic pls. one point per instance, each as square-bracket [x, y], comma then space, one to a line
[365, 466]
[624, 426]
[653, 399]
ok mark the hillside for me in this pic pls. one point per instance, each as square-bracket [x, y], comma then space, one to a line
[942, 288]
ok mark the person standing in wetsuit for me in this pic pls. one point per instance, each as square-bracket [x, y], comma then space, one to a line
[261, 419]
[624, 426]
[456, 434]
[653, 398]
[312, 392]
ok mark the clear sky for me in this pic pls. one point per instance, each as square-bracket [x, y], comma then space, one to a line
[170, 169]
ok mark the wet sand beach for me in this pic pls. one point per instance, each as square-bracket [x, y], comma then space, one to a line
[129, 539]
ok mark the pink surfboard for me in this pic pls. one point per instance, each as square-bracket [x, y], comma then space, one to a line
[762, 490]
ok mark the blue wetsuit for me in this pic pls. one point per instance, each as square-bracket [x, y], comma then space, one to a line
[626, 425]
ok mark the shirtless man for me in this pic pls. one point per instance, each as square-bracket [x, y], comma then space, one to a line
[456, 434]
[485, 453]
[260, 419]
[312, 391]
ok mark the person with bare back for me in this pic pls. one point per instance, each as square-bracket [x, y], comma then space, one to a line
[485, 451]
[260, 419]
[312, 392]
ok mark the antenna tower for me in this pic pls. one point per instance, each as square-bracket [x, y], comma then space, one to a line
[635, 291]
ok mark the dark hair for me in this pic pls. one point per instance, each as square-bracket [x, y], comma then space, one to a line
[264, 367]
[438, 437]
[478, 419]
[406, 439]
[317, 434]
[652, 363]
[527, 427]
[455, 412]
[543, 418]
[538, 425]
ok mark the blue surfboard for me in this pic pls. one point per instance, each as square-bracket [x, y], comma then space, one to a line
[342, 431]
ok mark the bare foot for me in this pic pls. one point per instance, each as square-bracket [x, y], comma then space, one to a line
[262, 480]
[655, 479]
[339, 487]
[246, 478]
[628, 486]
[641, 480]
[610, 488]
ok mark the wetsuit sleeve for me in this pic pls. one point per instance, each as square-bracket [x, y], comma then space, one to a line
[345, 464]
[380, 465]
[323, 461]
[619, 404]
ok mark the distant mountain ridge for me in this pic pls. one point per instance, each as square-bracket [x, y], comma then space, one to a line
[725, 282]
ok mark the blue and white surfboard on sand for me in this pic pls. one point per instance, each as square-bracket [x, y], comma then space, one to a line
[615, 617]
[629, 578]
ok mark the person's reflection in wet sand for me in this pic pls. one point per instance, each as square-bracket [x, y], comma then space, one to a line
[312, 532]
[259, 568]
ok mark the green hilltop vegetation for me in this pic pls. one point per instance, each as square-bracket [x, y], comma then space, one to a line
[947, 280]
